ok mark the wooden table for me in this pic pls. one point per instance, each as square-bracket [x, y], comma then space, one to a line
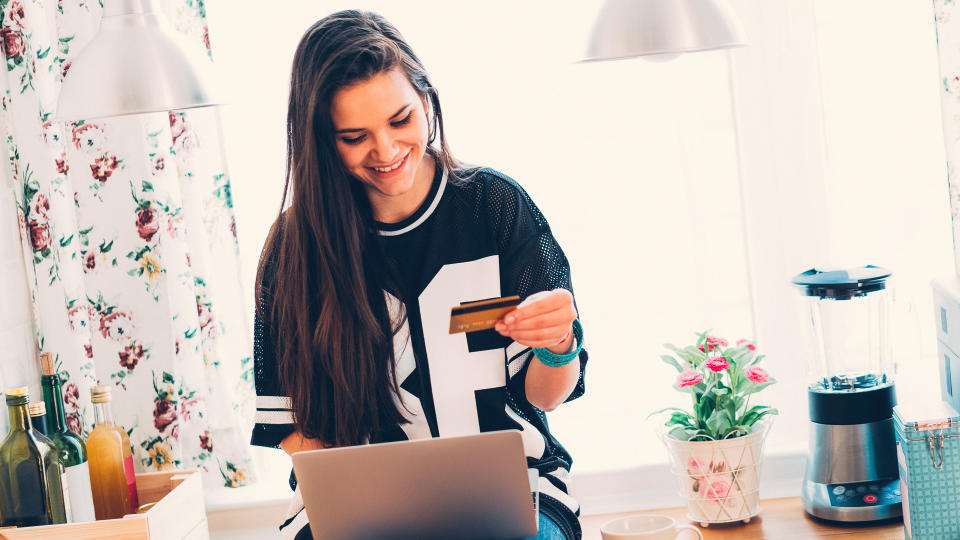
[778, 519]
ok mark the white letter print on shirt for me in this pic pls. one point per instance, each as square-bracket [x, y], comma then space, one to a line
[455, 372]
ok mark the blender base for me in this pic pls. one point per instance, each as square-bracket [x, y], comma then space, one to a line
[849, 502]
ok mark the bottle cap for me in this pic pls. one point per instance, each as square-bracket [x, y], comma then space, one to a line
[100, 394]
[37, 408]
[17, 396]
[46, 364]
[19, 391]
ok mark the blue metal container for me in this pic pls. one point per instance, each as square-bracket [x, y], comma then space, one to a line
[928, 453]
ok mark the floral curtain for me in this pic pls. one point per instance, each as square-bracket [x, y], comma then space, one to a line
[947, 16]
[127, 225]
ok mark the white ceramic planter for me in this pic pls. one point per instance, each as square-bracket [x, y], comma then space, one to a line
[719, 480]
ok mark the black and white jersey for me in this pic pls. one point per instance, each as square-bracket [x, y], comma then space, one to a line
[471, 239]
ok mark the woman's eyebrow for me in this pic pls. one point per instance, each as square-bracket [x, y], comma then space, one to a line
[396, 114]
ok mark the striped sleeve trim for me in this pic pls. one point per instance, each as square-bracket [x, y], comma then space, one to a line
[274, 410]
[273, 417]
[274, 402]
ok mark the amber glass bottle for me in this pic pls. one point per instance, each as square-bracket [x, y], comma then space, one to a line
[31, 492]
[105, 455]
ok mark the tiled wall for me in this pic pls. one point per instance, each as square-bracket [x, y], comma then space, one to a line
[17, 348]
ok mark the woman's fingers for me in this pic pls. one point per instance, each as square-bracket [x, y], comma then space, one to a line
[558, 317]
[538, 304]
[540, 337]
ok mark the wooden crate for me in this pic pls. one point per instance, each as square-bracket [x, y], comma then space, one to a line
[178, 514]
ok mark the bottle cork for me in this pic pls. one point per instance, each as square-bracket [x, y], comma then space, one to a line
[37, 408]
[100, 394]
[46, 364]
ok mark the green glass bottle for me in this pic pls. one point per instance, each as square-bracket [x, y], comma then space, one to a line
[70, 447]
[31, 492]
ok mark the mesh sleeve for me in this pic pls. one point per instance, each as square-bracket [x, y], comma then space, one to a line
[531, 261]
[274, 416]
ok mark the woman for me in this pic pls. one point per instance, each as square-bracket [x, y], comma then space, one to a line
[384, 233]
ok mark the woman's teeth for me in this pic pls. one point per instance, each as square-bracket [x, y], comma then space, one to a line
[388, 169]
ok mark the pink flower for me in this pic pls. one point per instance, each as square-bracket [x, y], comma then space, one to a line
[103, 167]
[41, 206]
[71, 396]
[89, 262]
[712, 343]
[718, 489]
[15, 12]
[13, 44]
[116, 326]
[205, 441]
[131, 355]
[147, 223]
[689, 377]
[750, 346]
[715, 341]
[717, 364]
[74, 424]
[87, 136]
[39, 235]
[757, 374]
[164, 413]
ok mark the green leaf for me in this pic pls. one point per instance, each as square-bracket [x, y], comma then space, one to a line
[680, 418]
[719, 423]
[756, 413]
[64, 242]
[677, 409]
[672, 361]
[43, 54]
[686, 355]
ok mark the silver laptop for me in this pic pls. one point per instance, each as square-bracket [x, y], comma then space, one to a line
[470, 487]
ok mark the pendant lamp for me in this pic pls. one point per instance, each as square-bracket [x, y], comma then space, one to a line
[133, 65]
[629, 28]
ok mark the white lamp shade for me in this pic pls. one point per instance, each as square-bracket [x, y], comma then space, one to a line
[629, 28]
[132, 66]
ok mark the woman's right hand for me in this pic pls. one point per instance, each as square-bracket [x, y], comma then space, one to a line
[296, 442]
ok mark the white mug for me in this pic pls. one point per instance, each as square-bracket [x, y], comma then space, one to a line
[646, 527]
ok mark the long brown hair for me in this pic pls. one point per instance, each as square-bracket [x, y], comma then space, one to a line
[322, 275]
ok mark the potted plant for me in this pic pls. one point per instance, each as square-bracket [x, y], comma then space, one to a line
[717, 448]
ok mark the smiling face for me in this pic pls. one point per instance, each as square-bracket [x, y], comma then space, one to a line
[381, 131]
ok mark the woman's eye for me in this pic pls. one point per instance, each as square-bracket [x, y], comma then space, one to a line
[406, 119]
[354, 140]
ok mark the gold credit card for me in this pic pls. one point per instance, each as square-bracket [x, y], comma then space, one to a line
[480, 315]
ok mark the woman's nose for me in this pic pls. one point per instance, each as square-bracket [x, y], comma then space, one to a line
[384, 149]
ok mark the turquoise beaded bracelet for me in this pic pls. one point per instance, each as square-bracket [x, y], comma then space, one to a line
[558, 360]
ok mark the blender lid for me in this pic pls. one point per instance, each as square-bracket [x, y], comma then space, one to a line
[842, 284]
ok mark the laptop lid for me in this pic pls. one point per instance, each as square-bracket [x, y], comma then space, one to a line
[469, 487]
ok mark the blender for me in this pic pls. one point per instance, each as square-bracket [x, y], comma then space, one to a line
[851, 472]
